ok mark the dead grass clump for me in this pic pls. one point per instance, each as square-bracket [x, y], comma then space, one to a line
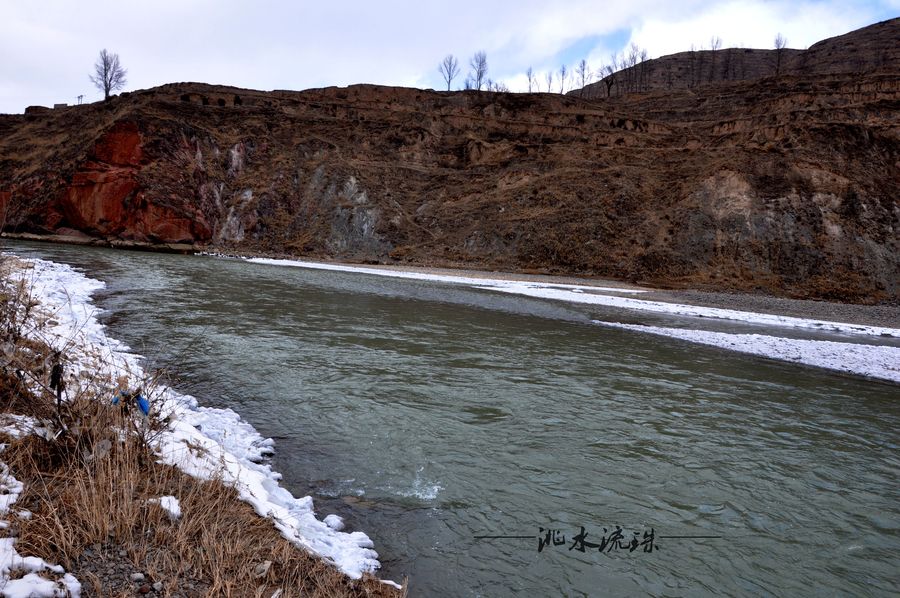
[89, 492]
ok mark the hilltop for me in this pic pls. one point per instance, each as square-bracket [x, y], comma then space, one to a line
[782, 184]
[870, 48]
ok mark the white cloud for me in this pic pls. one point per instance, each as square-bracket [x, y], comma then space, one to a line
[753, 25]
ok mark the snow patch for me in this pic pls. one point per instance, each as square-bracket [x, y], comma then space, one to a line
[169, 504]
[488, 283]
[334, 522]
[40, 579]
[868, 360]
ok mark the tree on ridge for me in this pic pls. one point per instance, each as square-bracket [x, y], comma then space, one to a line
[109, 75]
[780, 45]
[479, 69]
[584, 74]
[449, 69]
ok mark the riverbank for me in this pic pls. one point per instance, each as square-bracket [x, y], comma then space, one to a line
[863, 342]
[178, 502]
[881, 315]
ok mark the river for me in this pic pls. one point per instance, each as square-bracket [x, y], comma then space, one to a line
[430, 415]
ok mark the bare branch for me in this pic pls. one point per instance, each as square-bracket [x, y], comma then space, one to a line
[780, 42]
[479, 69]
[449, 69]
[109, 76]
[584, 74]
[780, 45]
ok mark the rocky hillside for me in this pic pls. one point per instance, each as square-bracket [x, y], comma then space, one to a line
[870, 48]
[787, 185]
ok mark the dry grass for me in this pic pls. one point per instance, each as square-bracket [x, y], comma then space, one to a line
[89, 485]
[79, 500]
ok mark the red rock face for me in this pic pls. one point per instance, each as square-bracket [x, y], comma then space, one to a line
[105, 198]
[121, 146]
[96, 199]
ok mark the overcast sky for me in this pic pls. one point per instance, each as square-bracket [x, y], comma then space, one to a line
[49, 46]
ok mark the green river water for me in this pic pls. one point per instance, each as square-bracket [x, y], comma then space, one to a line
[429, 415]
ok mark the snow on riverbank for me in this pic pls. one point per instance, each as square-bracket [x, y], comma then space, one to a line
[868, 360]
[40, 579]
[204, 442]
[597, 295]
[490, 283]
[865, 359]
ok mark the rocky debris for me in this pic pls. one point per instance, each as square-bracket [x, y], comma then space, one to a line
[784, 185]
[106, 570]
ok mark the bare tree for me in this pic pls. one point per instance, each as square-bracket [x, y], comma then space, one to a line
[449, 69]
[645, 83]
[562, 79]
[714, 44]
[549, 79]
[696, 65]
[532, 81]
[109, 76]
[780, 45]
[631, 60]
[479, 69]
[610, 73]
[497, 86]
[584, 74]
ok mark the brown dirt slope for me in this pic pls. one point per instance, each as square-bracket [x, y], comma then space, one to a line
[787, 185]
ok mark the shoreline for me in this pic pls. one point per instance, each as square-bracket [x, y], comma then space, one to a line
[228, 449]
[875, 316]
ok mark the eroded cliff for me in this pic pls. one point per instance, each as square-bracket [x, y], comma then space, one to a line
[785, 184]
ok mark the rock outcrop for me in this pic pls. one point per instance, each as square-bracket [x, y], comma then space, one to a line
[787, 185]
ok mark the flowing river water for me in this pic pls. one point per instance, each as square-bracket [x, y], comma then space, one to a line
[429, 415]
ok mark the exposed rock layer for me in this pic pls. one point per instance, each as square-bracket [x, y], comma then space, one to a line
[784, 184]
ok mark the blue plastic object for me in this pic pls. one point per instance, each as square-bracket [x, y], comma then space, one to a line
[144, 404]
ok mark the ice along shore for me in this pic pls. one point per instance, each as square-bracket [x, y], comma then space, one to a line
[206, 443]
